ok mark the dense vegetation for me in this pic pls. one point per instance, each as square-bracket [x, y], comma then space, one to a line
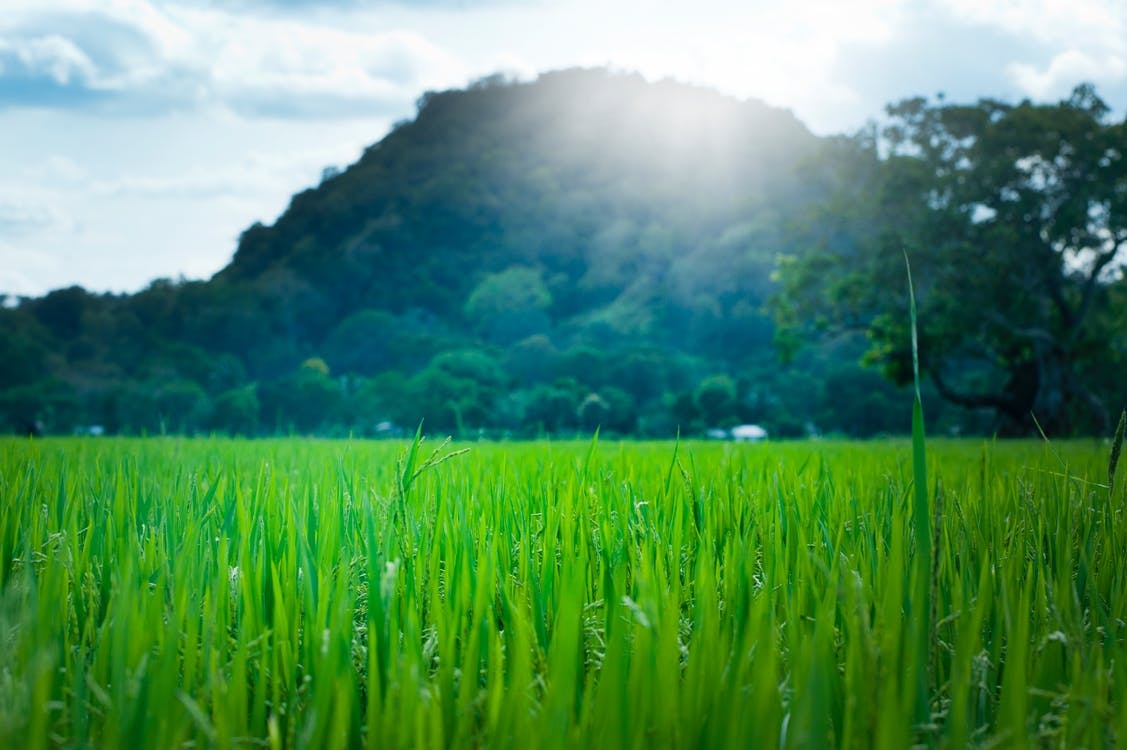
[592, 250]
[173, 592]
[1015, 218]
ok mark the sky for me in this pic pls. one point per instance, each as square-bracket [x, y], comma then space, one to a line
[139, 138]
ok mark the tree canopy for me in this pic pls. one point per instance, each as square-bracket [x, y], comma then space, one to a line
[1015, 221]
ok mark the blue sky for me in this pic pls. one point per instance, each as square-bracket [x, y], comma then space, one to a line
[140, 137]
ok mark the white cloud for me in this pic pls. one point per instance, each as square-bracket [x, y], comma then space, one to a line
[785, 53]
[1080, 40]
[1065, 70]
[21, 217]
[56, 169]
[286, 67]
[1100, 23]
[142, 57]
[255, 174]
[52, 56]
[116, 204]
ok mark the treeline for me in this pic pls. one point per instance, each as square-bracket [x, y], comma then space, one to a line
[113, 373]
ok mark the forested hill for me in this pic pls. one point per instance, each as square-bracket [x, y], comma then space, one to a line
[586, 249]
[607, 203]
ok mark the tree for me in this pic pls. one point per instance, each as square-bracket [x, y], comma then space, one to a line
[553, 408]
[382, 398]
[457, 391]
[62, 310]
[622, 411]
[716, 400]
[45, 407]
[531, 360]
[511, 305]
[592, 412]
[358, 343]
[306, 400]
[181, 406]
[23, 349]
[236, 411]
[1014, 218]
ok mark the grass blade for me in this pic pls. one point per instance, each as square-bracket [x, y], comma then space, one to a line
[1113, 459]
[921, 522]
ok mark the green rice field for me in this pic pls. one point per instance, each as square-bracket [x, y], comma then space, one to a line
[197, 593]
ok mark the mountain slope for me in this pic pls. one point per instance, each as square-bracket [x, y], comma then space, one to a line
[589, 176]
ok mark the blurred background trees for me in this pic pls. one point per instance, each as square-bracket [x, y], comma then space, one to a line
[591, 250]
[1015, 220]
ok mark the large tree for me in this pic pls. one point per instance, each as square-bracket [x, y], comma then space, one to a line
[1015, 221]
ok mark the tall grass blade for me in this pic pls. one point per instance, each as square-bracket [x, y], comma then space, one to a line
[407, 464]
[921, 522]
[1113, 459]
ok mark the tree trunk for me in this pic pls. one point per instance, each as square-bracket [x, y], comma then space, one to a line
[1046, 395]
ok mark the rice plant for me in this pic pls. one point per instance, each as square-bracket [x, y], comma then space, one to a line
[177, 593]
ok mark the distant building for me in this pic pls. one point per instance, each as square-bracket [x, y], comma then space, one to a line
[388, 430]
[748, 432]
[739, 433]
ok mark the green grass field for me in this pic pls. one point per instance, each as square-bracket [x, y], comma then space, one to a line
[175, 593]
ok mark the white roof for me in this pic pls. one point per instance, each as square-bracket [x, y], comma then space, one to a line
[748, 432]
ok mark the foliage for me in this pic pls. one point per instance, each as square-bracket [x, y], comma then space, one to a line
[305, 400]
[589, 233]
[716, 400]
[236, 411]
[1013, 216]
[173, 593]
[510, 305]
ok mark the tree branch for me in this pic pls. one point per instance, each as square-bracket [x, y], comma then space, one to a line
[1031, 333]
[973, 400]
[1056, 295]
[1087, 296]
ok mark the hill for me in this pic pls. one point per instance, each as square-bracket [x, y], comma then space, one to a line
[585, 249]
